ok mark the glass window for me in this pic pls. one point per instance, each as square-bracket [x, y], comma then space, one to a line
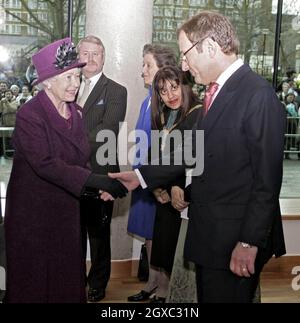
[289, 78]
[178, 13]
[157, 23]
[158, 12]
[198, 3]
[169, 12]
[255, 22]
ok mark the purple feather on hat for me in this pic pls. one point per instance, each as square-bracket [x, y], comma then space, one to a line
[54, 59]
[65, 55]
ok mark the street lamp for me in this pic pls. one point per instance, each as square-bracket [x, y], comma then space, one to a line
[265, 32]
[70, 18]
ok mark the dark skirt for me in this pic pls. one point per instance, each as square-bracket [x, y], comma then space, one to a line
[165, 236]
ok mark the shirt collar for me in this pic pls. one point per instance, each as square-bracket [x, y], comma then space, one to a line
[229, 71]
[94, 79]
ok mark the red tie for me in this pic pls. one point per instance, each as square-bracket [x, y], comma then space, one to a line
[209, 93]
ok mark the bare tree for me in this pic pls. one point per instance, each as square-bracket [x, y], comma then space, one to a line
[55, 26]
[250, 17]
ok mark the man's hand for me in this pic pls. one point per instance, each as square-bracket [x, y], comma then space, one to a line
[129, 179]
[104, 184]
[178, 202]
[242, 260]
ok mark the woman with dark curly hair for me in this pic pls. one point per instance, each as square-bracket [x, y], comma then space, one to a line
[175, 109]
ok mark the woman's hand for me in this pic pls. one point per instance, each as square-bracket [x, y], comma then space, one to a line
[105, 196]
[161, 195]
[177, 198]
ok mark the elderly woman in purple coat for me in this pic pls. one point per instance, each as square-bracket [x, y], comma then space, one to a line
[49, 174]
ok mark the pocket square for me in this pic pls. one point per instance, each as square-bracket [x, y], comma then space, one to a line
[100, 102]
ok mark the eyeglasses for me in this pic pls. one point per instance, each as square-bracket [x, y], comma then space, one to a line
[183, 55]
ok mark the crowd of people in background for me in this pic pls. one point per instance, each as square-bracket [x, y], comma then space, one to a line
[289, 94]
[12, 97]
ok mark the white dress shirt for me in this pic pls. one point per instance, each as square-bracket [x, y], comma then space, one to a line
[94, 79]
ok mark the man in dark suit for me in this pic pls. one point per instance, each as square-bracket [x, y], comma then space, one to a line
[104, 106]
[234, 215]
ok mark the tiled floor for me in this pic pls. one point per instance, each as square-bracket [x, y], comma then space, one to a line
[275, 288]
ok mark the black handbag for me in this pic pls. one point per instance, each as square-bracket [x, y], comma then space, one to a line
[91, 200]
[143, 269]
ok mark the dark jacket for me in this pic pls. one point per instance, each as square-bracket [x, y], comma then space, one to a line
[103, 110]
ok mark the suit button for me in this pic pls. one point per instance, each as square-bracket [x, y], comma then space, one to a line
[210, 155]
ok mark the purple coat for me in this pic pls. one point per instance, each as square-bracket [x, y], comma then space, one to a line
[42, 219]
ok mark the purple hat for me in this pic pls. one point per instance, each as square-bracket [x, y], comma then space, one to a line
[54, 59]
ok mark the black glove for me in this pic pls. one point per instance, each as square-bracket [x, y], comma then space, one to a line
[96, 182]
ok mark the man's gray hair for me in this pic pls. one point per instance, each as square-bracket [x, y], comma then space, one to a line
[91, 39]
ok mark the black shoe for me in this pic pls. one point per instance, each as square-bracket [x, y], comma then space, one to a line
[96, 294]
[157, 299]
[141, 296]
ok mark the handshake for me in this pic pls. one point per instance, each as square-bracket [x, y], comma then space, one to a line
[112, 186]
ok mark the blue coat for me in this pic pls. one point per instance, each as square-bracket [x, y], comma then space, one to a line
[143, 205]
[42, 221]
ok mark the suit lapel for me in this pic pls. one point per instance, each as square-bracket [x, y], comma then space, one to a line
[220, 104]
[95, 94]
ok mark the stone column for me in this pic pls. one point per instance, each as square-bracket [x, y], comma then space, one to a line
[124, 27]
